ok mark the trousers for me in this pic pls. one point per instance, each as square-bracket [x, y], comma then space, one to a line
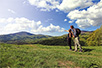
[76, 43]
[69, 43]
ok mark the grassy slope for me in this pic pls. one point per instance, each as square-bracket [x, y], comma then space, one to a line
[95, 38]
[49, 56]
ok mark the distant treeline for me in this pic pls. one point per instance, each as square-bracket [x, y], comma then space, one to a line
[62, 40]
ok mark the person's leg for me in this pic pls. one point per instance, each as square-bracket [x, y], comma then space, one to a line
[75, 43]
[70, 43]
[78, 43]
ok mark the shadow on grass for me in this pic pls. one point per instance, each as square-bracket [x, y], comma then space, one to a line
[87, 50]
[93, 66]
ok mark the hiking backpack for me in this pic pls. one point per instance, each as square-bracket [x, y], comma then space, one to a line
[78, 31]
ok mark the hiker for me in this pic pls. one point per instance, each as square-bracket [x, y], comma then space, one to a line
[69, 38]
[76, 38]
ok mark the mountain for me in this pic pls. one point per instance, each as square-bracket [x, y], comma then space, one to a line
[22, 34]
[21, 37]
[84, 31]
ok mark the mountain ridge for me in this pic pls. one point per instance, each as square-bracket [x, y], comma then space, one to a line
[21, 37]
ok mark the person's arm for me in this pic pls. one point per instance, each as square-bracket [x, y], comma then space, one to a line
[66, 30]
[72, 33]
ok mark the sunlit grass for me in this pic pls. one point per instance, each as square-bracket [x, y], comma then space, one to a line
[36, 55]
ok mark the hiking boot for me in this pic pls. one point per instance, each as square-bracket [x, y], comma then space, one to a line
[75, 50]
[80, 51]
[70, 49]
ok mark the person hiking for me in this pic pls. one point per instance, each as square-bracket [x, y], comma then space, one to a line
[76, 38]
[69, 38]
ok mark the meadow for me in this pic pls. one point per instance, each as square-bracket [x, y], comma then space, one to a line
[44, 56]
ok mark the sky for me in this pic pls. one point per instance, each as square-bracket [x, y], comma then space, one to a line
[49, 17]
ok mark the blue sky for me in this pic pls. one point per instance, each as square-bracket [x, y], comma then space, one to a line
[49, 17]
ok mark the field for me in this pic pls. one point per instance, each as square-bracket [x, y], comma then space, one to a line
[36, 55]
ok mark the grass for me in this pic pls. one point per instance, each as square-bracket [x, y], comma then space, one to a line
[36, 55]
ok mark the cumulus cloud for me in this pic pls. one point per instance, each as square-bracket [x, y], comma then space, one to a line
[45, 5]
[90, 17]
[65, 19]
[50, 28]
[68, 5]
[12, 25]
[65, 5]
[71, 21]
[57, 10]
[84, 18]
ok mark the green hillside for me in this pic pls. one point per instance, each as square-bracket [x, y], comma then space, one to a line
[62, 40]
[40, 56]
[21, 38]
[95, 39]
[86, 39]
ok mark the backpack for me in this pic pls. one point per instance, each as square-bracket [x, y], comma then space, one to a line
[78, 31]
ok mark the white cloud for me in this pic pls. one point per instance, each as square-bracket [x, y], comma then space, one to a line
[84, 18]
[65, 19]
[91, 16]
[45, 5]
[50, 28]
[12, 25]
[57, 10]
[68, 5]
[71, 21]
[12, 11]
